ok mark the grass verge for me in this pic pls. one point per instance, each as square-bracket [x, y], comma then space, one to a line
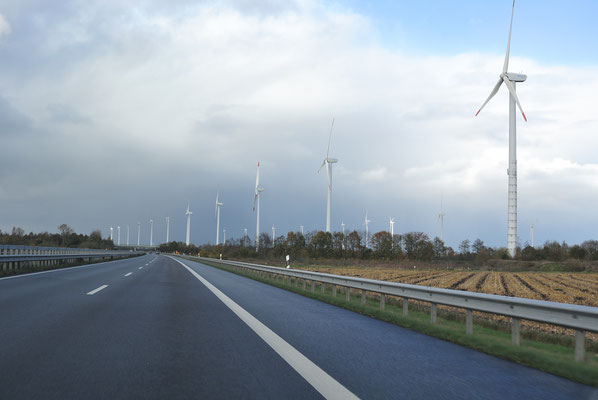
[553, 358]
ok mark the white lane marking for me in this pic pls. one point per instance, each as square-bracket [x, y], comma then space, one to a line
[314, 375]
[97, 290]
[147, 264]
[130, 273]
[140, 268]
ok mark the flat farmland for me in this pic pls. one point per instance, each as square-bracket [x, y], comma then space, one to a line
[572, 288]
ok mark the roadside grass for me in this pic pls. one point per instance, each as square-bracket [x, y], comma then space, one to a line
[63, 265]
[550, 353]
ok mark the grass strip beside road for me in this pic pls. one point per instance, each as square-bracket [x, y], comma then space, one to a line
[552, 358]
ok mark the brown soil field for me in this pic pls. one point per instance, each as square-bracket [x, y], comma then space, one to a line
[572, 288]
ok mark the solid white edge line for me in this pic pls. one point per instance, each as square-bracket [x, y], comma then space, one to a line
[97, 290]
[130, 273]
[326, 385]
[62, 269]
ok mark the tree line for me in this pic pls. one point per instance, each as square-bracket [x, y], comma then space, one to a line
[65, 237]
[413, 246]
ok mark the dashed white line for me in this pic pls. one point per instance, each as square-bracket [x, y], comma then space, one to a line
[97, 290]
[130, 273]
[140, 268]
[328, 387]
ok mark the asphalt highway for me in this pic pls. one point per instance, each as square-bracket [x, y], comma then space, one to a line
[153, 327]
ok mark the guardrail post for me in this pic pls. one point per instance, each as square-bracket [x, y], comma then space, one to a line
[405, 307]
[515, 331]
[362, 296]
[313, 286]
[304, 283]
[347, 293]
[580, 345]
[322, 288]
[382, 300]
[468, 322]
[433, 313]
[333, 290]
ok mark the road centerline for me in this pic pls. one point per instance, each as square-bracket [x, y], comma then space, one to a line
[97, 290]
[130, 273]
[326, 385]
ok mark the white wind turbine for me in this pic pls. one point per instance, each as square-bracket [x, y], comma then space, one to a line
[118, 230]
[273, 234]
[224, 236]
[111, 233]
[531, 235]
[127, 235]
[441, 220]
[167, 229]
[151, 232]
[217, 212]
[256, 206]
[343, 226]
[301, 227]
[188, 214]
[366, 223]
[391, 220]
[138, 233]
[510, 79]
[328, 162]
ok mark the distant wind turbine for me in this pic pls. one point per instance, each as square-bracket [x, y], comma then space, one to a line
[138, 233]
[127, 235]
[118, 230]
[301, 227]
[273, 234]
[366, 223]
[217, 213]
[111, 233]
[224, 236]
[328, 162]
[256, 206]
[441, 220]
[343, 226]
[167, 229]
[510, 79]
[391, 220]
[188, 214]
[151, 232]
[531, 234]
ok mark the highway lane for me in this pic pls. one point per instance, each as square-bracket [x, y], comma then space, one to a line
[161, 333]
[157, 333]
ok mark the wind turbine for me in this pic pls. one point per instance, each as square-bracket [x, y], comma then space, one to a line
[328, 162]
[118, 230]
[343, 226]
[301, 227]
[167, 229]
[224, 236]
[217, 212]
[111, 233]
[188, 214]
[366, 223]
[273, 234]
[531, 234]
[151, 232]
[441, 220]
[138, 233]
[245, 237]
[256, 203]
[127, 235]
[391, 220]
[510, 79]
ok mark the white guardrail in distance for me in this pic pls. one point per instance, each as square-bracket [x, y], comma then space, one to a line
[18, 254]
[579, 318]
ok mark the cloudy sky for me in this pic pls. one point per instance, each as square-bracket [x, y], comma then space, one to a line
[117, 112]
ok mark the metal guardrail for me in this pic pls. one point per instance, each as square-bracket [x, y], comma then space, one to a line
[19, 254]
[579, 318]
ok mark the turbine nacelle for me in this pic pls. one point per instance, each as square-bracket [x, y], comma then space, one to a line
[513, 77]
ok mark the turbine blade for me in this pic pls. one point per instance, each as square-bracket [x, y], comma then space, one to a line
[511, 88]
[257, 176]
[492, 93]
[330, 137]
[254, 199]
[506, 64]
[323, 162]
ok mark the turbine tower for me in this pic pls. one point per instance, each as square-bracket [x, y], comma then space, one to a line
[111, 233]
[441, 220]
[328, 162]
[391, 220]
[343, 226]
[273, 234]
[531, 235]
[127, 235]
[224, 236]
[138, 233]
[217, 212]
[118, 230]
[167, 229]
[366, 223]
[301, 227]
[151, 232]
[188, 214]
[256, 206]
[510, 79]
